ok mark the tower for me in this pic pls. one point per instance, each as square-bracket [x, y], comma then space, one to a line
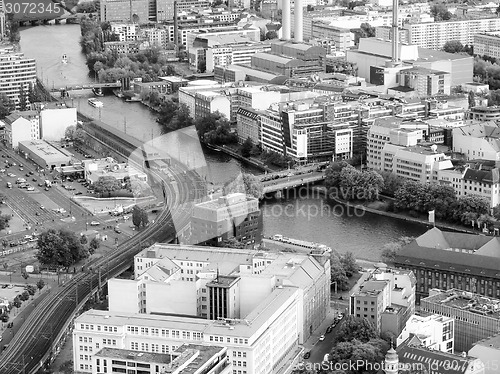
[299, 21]
[176, 25]
[395, 32]
[391, 362]
[285, 22]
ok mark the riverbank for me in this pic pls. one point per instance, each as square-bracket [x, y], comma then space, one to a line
[250, 160]
[401, 216]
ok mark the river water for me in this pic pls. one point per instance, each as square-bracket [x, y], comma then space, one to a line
[306, 218]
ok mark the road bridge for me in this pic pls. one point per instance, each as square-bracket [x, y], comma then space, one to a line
[87, 86]
[293, 181]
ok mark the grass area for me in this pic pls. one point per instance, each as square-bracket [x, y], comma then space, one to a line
[16, 224]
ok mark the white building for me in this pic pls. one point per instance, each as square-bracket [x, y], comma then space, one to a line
[16, 73]
[156, 37]
[127, 32]
[55, 119]
[436, 332]
[263, 305]
[434, 35]
[21, 126]
[225, 54]
[478, 141]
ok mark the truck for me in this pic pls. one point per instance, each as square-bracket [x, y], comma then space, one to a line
[48, 183]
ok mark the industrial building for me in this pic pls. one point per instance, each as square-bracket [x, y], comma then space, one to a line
[44, 154]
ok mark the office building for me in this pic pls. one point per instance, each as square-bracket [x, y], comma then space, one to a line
[488, 351]
[487, 44]
[285, 66]
[445, 260]
[435, 332]
[434, 35]
[386, 298]
[233, 216]
[125, 48]
[425, 82]
[188, 358]
[17, 74]
[127, 32]
[484, 113]
[278, 299]
[476, 317]
[21, 126]
[341, 38]
[124, 11]
[44, 154]
[413, 356]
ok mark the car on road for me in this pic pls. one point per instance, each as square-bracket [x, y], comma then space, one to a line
[95, 223]
[321, 338]
[30, 188]
[40, 184]
[2, 170]
[46, 188]
[34, 180]
[11, 175]
[329, 329]
[31, 173]
[117, 230]
[307, 355]
[42, 207]
[21, 169]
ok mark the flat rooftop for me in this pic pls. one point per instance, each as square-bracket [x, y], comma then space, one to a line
[44, 150]
[467, 301]
[124, 354]
[205, 354]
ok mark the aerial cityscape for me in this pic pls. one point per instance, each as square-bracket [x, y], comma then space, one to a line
[249, 187]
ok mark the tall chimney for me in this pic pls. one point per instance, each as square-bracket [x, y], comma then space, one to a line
[299, 20]
[395, 32]
[285, 19]
[176, 25]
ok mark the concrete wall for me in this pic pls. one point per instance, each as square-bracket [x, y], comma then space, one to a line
[123, 295]
[54, 122]
[173, 297]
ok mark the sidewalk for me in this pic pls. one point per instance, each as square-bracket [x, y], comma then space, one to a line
[313, 339]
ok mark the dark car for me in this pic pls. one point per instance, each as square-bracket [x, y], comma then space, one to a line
[34, 180]
[329, 329]
[10, 325]
[40, 184]
[307, 355]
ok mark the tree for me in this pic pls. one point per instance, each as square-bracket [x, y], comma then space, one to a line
[245, 183]
[6, 105]
[356, 328]
[4, 221]
[30, 289]
[360, 185]
[13, 27]
[24, 296]
[349, 264]
[182, 118]
[70, 132]
[392, 182]
[166, 114]
[83, 240]
[107, 184]
[271, 35]
[390, 250]
[332, 174]
[470, 208]
[440, 12]
[139, 216]
[233, 243]
[40, 284]
[23, 99]
[214, 128]
[60, 248]
[338, 274]
[246, 147]
[365, 354]
[367, 31]
[453, 46]
[66, 367]
[94, 245]
[471, 97]
[17, 302]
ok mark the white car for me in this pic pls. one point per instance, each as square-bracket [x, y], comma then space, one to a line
[321, 338]
[11, 175]
[30, 188]
[95, 223]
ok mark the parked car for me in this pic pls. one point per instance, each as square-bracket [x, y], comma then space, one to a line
[329, 329]
[117, 230]
[307, 355]
[95, 223]
[321, 338]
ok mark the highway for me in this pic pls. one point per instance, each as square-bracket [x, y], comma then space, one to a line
[30, 347]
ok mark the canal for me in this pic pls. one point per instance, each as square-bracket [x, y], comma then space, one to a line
[306, 217]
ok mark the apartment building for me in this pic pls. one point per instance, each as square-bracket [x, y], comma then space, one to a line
[156, 37]
[21, 126]
[385, 33]
[126, 32]
[341, 38]
[434, 35]
[480, 140]
[266, 304]
[481, 113]
[125, 48]
[248, 124]
[426, 82]
[487, 44]
[122, 10]
[447, 260]
[488, 351]
[386, 298]
[16, 73]
[435, 332]
[476, 317]
[415, 355]
[235, 215]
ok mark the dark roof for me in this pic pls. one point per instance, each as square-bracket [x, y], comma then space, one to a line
[467, 263]
[402, 89]
[482, 176]
[249, 112]
[435, 362]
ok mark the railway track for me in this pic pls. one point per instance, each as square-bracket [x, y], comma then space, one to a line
[32, 346]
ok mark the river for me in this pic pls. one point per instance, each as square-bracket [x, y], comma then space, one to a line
[306, 218]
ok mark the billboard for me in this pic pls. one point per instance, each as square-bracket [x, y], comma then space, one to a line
[377, 75]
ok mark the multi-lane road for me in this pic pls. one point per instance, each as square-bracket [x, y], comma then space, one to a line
[31, 346]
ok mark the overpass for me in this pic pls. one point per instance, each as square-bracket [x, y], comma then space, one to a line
[293, 181]
[87, 86]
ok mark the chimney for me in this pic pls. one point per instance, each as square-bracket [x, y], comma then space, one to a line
[176, 25]
[395, 32]
[299, 20]
[285, 19]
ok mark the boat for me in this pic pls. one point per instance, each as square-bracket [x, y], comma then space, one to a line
[95, 103]
[64, 59]
[97, 91]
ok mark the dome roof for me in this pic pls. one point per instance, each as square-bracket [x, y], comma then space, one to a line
[391, 356]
